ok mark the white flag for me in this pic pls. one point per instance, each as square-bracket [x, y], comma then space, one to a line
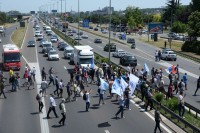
[104, 84]
[133, 82]
[124, 85]
[146, 68]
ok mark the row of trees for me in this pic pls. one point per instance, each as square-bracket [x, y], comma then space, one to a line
[5, 18]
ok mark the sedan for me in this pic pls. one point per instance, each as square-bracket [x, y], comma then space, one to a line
[77, 38]
[31, 44]
[169, 55]
[128, 59]
[53, 55]
[62, 46]
[84, 36]
[97, 41]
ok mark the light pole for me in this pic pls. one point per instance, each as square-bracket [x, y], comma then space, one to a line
[61, 8]
[78, 22]
[65, 20]
[109, 29]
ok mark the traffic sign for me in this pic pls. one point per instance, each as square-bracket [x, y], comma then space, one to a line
[85, 23]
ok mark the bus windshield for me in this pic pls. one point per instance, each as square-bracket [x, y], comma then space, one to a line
[85, 60]
[11, 57]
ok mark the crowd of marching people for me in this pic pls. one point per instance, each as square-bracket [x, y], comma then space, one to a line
[115, 82]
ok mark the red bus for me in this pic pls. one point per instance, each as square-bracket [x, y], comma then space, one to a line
[11, 57]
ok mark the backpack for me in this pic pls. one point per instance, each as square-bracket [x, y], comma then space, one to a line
[84, 97]
[60, 107]
[179, 85]
[37, 97]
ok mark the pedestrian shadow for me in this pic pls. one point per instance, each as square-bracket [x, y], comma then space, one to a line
[95, 96]
[35, 113]
[82, 111]
[95, 106]
[114, 100]
[104, 124]
[56, 126]
[116, 103]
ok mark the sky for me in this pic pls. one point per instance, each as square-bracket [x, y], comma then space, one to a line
[25, 6]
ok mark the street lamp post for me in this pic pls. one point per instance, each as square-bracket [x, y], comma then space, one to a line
[109, 29]
[78, 23]
[65, 20]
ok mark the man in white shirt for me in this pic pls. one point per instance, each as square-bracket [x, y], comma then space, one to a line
[87, 101]
[44, 86]
[52, 107]
[181, 105]
[33, 73]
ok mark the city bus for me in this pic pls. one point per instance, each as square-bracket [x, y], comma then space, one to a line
[11, 57]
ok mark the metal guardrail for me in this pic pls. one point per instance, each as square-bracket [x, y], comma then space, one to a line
[187, 124]
[174, 115]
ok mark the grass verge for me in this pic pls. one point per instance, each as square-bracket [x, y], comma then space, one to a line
[18, 35]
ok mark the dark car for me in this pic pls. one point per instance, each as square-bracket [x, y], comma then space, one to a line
[131, 40]
[64, 30]
[62, 46]
[31, 44]
[97, 41]
[128, 59]
[112, 48]
[47, 50]
[96, 29]
[90, 27]
[133, 45]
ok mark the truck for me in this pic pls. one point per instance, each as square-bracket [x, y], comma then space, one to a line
[56, 20]
[83, 55]
[11, 57]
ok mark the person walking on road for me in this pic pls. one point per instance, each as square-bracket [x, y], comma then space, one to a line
[44, 86]
[101, 96]
[177, 71]
[149, 99]
[33, 73]
[2, 89]
[44, 74]
[121, 108]
[51, 78]
[86, 97]
[52, 107]
[157, 119]
[60, 88]
[198, 86]
[69, 91]
[63, 112]
[57, 85]
[39, 99]
[185, 79]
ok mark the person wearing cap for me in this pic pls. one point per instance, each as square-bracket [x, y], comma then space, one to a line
[63, 112]
[52, 105]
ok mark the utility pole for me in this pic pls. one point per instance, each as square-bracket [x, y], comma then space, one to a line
[109, 29]
[78, 23]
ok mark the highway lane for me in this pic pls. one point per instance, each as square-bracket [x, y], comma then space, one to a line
[18, 111]
[134, 120]
[188, 67]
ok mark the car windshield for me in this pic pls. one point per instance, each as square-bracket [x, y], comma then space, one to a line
[52, 52]
[31, 42]
[46, 45]
[85, 60]
[131, 58]
[171, 53]
[11, 57]
[69, 51]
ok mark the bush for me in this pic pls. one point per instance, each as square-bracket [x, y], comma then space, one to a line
[104, 60]
[172, 104]
[159, 97]
[193, 46]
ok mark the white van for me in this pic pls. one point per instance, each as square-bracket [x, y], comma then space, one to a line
[68, 51]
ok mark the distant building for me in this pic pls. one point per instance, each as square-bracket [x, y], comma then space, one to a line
[103, 11]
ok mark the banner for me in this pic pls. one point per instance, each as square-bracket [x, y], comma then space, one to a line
[104, 85]
[124, 85]
[116, 87]
[133, 82]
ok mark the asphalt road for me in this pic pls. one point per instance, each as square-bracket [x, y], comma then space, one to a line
[145, 54]
[18, 111]
[99, 119]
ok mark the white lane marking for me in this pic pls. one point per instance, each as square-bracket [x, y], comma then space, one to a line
[149, 115]
[106, 131]
[24, 36]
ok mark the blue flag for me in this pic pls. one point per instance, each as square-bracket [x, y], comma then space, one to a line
[104, 84]
[146, 68]
[92, 63]
[133, 82]
[116, 87]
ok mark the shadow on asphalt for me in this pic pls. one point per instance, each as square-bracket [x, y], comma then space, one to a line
[56, 126]
[94, 107]
[104, 124]
[35, 113]
[82, 111]
[95, 96]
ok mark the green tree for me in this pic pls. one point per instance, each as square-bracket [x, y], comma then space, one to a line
[131, 23]
[156, 18]
[178, 27]
[195, 5]
[194, 24]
